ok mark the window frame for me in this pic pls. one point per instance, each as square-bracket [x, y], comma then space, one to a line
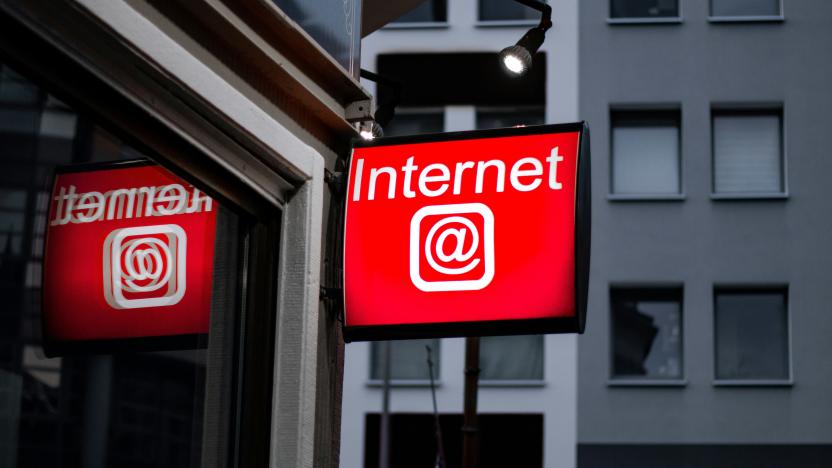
[746, 18]
[646, 109]
[750, 109]
[654, 289]
[753, 288]
[645, 20]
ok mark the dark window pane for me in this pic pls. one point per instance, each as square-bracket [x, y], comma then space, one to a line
[430, 11]
[501, 118]
[335, 26]
[644, 8]
[415, 123]
[752, 339]
[15, 88]
[647, 333]
[408, 360]
[511, 357]
[745, 8]
[21, 121]
[500, 10]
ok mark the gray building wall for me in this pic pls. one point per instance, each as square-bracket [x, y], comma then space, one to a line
[698, 242]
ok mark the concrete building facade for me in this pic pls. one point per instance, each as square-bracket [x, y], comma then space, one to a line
[729, 102]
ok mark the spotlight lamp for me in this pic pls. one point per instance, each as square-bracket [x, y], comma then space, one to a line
[370, 130]
[517, 59]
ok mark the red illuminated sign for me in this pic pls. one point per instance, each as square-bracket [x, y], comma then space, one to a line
[128, 259]
[469, 233]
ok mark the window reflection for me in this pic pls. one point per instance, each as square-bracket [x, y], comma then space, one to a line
[647, 333]
[126, 410]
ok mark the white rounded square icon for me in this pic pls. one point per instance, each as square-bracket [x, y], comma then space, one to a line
[146, 262]
[465, 256]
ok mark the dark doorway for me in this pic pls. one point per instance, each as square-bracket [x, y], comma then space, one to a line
[506, 440]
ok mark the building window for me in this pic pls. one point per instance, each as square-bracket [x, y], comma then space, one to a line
[746, 8]
[408, 360]
[500, 117]
[415, 121]
[511, 358]
[647, 333]
[646, 153]
[502, 10]
[430, 11]
[624, 9]
[748, 152]
[752, 334]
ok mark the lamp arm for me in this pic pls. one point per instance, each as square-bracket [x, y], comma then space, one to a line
[386, 110]
[544, 8]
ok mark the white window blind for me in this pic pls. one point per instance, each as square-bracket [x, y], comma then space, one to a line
[645, 157]
[511, 357]
[747, 154]
[408, 360]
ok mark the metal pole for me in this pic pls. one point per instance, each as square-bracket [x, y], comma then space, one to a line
[470, 429]
[384, 431]
[437, 428]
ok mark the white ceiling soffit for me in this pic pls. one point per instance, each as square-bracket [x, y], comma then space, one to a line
[377, 13]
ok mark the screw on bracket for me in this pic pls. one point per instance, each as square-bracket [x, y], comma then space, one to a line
[359, 111]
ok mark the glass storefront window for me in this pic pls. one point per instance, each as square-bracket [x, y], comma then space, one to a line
[126, 408]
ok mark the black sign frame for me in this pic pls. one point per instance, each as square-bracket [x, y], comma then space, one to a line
[573, 324]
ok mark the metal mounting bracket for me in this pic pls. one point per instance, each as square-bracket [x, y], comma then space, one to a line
[360, 111]
[335, 180]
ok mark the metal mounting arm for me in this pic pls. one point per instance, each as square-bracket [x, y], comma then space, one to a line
[546, 18]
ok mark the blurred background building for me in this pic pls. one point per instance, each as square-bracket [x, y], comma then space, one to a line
[708, 324]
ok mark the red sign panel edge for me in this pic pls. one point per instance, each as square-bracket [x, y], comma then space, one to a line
[55, 347]
[575, 324]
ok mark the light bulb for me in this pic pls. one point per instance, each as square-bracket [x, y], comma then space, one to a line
[513, 64]
[516, 59]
